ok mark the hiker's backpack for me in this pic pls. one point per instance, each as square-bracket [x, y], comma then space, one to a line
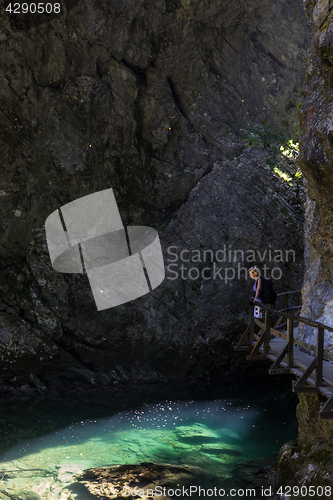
[267, 294]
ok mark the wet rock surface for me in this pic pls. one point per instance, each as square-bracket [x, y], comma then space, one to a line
[140, 480]
[112, 482]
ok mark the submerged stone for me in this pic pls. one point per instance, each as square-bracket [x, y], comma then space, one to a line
[224, 432]
[139, 480]
[220, 449]
[196, 431]
[19, 495]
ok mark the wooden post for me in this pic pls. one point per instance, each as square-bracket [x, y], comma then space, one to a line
[251, 337]
[286, 302]
[290, 332]
[320, 356]
[267, 331]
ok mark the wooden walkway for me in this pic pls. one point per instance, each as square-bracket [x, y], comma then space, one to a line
[311, 364]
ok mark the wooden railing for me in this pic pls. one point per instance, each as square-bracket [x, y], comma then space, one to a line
[288, 350]
[287, 307]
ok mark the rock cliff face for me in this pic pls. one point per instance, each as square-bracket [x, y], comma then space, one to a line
[239, 214]
[316, 163]
[308, 461]
[148, 98]
[139, 96]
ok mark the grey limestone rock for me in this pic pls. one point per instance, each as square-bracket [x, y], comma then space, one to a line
[139, 96]
[148, 98]
[184, 329]
[316, 163]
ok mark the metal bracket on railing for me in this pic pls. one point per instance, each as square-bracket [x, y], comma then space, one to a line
[325, 412]
[288, 351]
[299, 385]
[317, 364]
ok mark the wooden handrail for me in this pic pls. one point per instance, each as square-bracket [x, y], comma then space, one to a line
[287, 293]
[292, 307]
[286, 298]
[311, 378]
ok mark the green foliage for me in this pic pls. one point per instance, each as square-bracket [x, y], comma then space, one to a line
[290, 149]
[271, 162]
[283, 176]
[298, 174]
[262, 136]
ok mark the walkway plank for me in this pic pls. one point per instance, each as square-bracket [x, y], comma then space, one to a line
[301, 359]
[301, 362]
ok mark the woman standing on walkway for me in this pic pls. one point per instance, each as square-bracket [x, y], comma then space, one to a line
[254, 273]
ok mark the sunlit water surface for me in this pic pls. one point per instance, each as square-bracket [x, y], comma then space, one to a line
[228, 438]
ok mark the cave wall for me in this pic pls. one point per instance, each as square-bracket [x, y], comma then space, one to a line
[148, 98]
[139, 96]
[51, 334]
[316, 155]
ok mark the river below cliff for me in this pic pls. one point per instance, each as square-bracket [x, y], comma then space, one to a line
[229, 435]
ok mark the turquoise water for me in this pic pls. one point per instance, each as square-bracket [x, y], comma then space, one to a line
[230, 438]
